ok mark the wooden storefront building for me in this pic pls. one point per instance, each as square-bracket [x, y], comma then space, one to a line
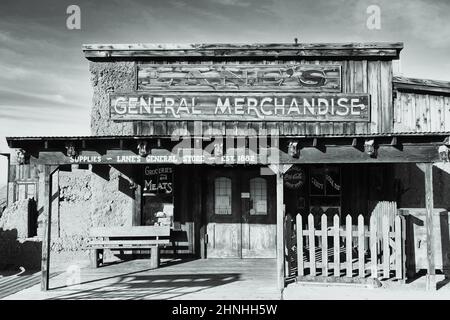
[288, 151]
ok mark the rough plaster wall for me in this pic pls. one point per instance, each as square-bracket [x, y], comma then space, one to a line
[71, 227]
[15, 248]
[110, 207]
[15, 218]
[86, 200]
[107, 77]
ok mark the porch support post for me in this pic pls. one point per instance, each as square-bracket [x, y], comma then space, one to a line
[47, 219]
[431, 271]
[279, 171]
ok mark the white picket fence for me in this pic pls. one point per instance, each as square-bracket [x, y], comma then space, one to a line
[356, 251]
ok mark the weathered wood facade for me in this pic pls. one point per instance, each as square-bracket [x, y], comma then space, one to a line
[249, 134]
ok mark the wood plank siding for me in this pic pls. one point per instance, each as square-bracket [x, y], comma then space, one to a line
[363, 68]
[358, 76]
[421, 112]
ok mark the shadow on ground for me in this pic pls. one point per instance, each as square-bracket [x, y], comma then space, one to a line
[136, 286]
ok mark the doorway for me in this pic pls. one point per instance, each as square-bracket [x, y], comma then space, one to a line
[240, 213]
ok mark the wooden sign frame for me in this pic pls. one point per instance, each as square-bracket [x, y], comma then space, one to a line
[239, 77]
[240, 106]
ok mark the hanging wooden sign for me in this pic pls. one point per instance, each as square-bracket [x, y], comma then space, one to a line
[232, 106]
[280, 77]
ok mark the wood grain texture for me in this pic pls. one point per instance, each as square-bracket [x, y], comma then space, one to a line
[419, 112]
[263, 50]
[239, 77]
[429, 203]
[232, 106]
[300, 260]
[356, 76]
[406, 84]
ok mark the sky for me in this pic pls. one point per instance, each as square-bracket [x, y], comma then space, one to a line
[44, 77]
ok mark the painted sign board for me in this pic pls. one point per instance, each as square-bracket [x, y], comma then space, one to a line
[188, 156]
[232, 106]
[239, 77]
[158, 180]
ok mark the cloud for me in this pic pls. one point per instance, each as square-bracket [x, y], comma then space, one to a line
[237, 3]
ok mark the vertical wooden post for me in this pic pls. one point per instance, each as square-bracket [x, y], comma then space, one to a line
[431, 272]
[398, 248]
[47, 221]
[137, 216]
[280, 228]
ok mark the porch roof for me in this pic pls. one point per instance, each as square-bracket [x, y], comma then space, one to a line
[421, 85]
[13, 139]
[409, 147]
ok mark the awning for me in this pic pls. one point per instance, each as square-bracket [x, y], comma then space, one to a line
[409, 147]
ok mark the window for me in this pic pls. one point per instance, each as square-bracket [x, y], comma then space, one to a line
[258, 196]
[325, 191]
[26, 190]
[222, 200]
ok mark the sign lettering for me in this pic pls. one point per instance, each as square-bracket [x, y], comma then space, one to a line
[240, 107]
[240, 77]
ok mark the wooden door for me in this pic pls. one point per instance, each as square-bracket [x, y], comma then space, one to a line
[258, 215]
[223, 214]
[241, 215]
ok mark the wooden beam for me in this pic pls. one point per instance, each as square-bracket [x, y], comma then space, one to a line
[275, 50]
[394, 141]
[421, 85]
[137, 216]
[47, 218]
[315, 142]
[280, 228]
[431, 271]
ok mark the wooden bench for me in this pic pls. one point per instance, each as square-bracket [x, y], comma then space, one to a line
[127, 238]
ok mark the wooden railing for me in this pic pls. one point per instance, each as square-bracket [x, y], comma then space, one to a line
[349, 251]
